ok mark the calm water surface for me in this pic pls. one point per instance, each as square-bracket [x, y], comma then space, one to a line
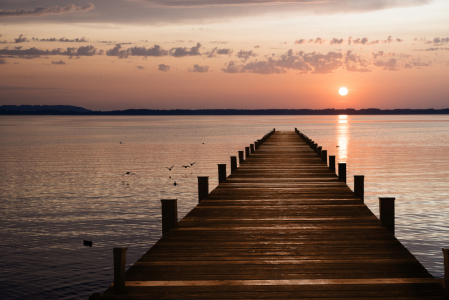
[63, 180]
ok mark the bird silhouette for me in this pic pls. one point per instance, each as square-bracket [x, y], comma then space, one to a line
[185, 166]
[170, 167]
[191, 164]
[87, 243]
[127, 173]
[175, 184]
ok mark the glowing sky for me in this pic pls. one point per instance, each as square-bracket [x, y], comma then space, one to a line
[243, 54]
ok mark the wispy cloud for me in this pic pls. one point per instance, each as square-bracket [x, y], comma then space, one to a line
[61, 62]
[42, 11]
[199, 69]
[182, 51]
[35, 52]
[245, 55]
[21, 39]
[390, 65]
[163, 68]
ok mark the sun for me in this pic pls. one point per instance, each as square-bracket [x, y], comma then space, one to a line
[343, 91]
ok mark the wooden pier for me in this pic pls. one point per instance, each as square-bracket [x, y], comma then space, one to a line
[281, 226]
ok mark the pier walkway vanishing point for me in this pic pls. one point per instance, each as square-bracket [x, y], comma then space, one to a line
[281, 226]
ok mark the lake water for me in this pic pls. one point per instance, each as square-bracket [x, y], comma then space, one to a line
[63, 180]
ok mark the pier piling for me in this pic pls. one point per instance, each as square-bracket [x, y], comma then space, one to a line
[359, 187]
[169, 214]
[119, 270]
[332, 163]
[241, 159]
[342, 171]
[233, 163]
[203, 187]
[386, 210]
[221, 173]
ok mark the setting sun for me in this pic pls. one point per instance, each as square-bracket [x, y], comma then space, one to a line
[343, 91]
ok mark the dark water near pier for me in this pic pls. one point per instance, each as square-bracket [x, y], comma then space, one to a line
[63, 180]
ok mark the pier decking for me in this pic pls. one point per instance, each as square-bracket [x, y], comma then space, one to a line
[281, 226]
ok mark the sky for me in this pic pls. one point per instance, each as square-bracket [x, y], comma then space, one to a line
[225, 54]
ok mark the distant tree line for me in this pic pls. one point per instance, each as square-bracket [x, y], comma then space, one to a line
[74, 110]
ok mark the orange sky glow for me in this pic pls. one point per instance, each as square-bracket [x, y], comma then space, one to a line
[211, 54]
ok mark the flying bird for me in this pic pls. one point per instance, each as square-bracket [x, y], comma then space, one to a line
[170, 167]
[175, 184]
[191, 164]
[186, 166]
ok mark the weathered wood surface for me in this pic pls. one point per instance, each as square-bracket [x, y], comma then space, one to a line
[280, 227]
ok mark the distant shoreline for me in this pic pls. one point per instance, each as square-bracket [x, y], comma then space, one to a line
[79, 111]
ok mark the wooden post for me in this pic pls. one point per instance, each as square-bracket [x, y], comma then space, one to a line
[221, 173]
[203, 187]
[386, 209]
[256, 145]
[446, 269]
[241, 159]
[324, 155]
[119, 270]
[332, 162]
[247, 152]
[169, 214]
[359, 187]
[318, 150]
[342, 171]
[251, 147]
[233, 163]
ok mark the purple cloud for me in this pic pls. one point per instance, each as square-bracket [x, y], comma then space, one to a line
[61, 62]
[182, 51]
[199, 69]
[42, 11]
[163, 68]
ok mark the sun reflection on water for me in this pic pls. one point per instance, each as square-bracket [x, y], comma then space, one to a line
[343, 138]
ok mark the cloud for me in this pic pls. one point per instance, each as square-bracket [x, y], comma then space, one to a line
[140, 68]
[42, 11]
[378, 53]
[183, 51]
[215, 52]
[35, 52]
[304, 62]
[61, 62]
[320, 5]
[441, 40]
[245, 55]
[388, 40]
[362, 41]
[324, 63]
[336, 41]
[318, 40]
[354, 63]
[257, 47]
[3, 61]
[156, 50]
[117, 52]
[63, 39]
[21, 39]
[389, 65]
[82, 51]
[231, 67]
[163, 68]
[142, 51]
[300, 41]
[219, 42]
[399, 40]
[199, 69]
